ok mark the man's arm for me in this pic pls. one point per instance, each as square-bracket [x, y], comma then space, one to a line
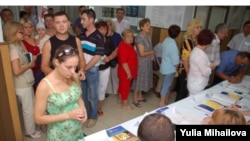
[240, 75]
[231, 79]
[46, 55]
[92, 62]
[82, 63]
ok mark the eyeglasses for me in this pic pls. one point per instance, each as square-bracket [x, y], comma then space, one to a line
[68, 51]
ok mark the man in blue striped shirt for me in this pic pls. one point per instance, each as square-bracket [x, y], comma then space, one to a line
[93, 47]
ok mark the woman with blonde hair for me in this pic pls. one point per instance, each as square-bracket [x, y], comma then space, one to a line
[22, 74]
[225, 117]
[190, 41]
[29, 40]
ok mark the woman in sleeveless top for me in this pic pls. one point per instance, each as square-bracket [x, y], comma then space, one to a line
[29, 40]
[59, 93]
[22, 75]
[193, 29]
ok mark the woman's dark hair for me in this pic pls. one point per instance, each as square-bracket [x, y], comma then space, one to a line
[174, 31]
[22, 14]
[205, 37]
[101, 24]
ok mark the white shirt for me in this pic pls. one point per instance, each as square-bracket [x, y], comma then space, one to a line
[42, 41]
[158, 52]
[213, 51]
[120, 26]
[199, 71]
[240, 42]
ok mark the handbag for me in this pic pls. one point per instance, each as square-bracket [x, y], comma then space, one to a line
[156, 66]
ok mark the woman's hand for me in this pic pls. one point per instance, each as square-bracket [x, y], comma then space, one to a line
[78, 114]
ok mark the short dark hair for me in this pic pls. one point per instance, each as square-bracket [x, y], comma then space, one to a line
[120, 9]
[156, 127]
[81, 7]
[4, 10]
[90, 13]
[244, 54]
[61, 13]
[205, 37]
[246, 23]
[101, 24]
[51, 9]
[48, 15]
[22, 13]
[174, 31]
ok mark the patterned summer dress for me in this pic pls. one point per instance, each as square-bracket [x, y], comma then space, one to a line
[144, 80]
[68, 130]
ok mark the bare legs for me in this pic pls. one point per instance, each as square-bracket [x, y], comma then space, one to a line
[100, 103]
[164, 100]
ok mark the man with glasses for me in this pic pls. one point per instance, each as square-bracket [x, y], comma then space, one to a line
[62, 36]
[93, 46]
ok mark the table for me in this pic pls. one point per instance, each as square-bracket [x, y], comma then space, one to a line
[184, 111]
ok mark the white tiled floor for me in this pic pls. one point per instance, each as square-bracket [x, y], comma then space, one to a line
[113, 114]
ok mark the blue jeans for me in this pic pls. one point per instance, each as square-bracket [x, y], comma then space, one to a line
[90, 92]
[167, 83]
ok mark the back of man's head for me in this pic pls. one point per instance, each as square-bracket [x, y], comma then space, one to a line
[156, 127]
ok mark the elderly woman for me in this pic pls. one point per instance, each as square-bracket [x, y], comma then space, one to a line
[145, 55]
[190, 41]
[22, 74]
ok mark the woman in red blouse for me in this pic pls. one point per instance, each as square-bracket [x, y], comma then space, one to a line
[29, 40]
[127, 66]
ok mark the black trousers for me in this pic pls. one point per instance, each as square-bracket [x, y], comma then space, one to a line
[181, 86]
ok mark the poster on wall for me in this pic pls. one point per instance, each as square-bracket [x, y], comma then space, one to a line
[132, 11]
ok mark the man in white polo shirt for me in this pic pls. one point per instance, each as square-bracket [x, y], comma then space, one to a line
[241, 41]
[120, 22]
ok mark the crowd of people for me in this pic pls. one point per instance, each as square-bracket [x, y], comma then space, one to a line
[69, 76]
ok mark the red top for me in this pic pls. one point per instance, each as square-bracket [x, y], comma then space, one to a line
[127, 54]
[35, 50]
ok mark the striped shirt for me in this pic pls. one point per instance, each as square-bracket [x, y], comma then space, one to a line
[92, 45]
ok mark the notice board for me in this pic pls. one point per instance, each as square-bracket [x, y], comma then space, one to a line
[164, 16]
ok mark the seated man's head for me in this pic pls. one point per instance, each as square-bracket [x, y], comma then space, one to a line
[156, 127]
[242, 58]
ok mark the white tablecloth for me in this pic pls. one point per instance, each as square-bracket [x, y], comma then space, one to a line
[184, 111]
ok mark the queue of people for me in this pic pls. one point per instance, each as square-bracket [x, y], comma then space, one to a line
[72, 74]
